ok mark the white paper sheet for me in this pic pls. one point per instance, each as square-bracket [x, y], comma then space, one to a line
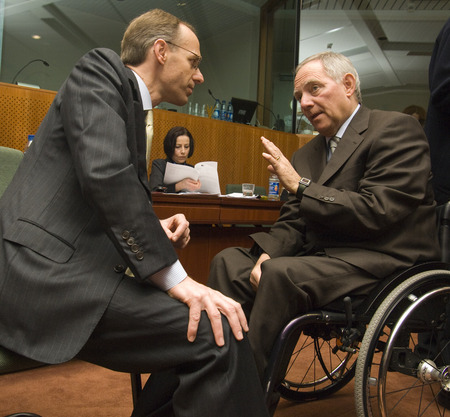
[205, 172]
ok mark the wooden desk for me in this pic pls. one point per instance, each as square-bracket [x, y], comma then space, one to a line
[216, 223]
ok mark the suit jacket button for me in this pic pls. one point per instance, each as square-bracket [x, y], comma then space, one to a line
[125, 234]
[331, 198]
[130, 241]
[119, 268]
[140, 255]
[134, 248]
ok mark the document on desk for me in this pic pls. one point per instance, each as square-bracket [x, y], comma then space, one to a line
[205, 172]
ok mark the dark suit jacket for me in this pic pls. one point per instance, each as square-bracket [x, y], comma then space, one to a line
[371, 205]
[157, 175]
[437, 126]
[77, 214]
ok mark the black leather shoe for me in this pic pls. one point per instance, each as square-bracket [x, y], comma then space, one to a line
[443, 398]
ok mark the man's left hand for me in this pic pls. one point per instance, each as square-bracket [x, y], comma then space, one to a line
[280, 166]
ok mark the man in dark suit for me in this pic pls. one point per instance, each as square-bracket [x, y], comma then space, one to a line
[437, 126]
[88, 270]
[354, 216]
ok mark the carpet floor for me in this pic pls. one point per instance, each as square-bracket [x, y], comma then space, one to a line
[80, 389]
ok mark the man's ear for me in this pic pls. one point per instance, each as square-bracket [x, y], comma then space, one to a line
[160, 51]
[349, 83]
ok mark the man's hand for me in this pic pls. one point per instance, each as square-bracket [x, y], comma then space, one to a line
[281, 166]
[255, 275]
[177, 230]
[198, 297]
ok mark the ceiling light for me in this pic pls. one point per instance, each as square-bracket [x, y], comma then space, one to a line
[36, 36]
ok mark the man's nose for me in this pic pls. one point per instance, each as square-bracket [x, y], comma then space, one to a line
[306, 101]
[198, 77]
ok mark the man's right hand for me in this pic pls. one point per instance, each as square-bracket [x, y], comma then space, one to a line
[255, 275]
[199, 297]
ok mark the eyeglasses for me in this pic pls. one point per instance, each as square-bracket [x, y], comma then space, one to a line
[195, 62]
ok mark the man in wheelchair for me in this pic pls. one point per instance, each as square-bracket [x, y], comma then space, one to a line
[360, 208]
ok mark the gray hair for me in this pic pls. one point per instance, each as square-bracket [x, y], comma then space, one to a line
[336, 66]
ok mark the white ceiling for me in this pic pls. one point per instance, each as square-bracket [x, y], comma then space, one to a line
[389, 41]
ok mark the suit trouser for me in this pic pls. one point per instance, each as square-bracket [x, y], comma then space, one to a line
[145, 331]
[288, 287]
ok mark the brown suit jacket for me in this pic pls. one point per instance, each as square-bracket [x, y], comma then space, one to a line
[371, 205]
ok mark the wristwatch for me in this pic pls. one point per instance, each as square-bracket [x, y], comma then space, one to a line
[302, 184]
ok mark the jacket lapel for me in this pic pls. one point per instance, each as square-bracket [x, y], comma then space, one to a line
[350, 141]
[141, 141]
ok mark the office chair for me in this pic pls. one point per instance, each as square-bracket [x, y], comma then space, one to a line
[10, 361]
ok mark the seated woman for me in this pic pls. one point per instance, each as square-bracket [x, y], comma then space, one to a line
[178, 147]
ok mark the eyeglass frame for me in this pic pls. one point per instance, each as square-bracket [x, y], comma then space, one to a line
[196, 63]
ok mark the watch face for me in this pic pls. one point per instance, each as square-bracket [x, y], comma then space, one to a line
[305, 181]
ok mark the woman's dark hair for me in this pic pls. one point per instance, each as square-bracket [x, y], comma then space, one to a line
[170, 141]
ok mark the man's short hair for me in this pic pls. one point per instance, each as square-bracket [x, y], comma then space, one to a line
[144, 30]
[336, 66]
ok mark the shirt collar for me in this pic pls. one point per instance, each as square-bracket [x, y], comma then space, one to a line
[344, 126]
[145, 95]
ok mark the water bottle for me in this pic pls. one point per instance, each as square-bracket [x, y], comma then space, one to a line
[216, 112]
[230, 112]
[274, 187]
[223, 110]
[30, 139]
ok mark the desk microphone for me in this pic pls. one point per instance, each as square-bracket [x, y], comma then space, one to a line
[279, 123]
[212, 95]
[26, 65]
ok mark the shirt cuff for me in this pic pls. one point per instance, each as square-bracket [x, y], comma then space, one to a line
[168, 277]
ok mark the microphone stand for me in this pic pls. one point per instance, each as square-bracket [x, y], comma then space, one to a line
[279, 123]
[212, 95]
[26, 65]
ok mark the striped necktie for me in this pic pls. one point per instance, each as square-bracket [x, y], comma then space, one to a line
[332, 144]
[149, 133]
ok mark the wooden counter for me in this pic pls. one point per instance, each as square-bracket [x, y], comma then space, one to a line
[216, 223]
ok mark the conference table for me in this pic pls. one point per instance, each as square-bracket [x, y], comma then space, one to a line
[216, 222]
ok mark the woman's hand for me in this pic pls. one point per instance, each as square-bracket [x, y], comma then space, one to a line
[188, 184]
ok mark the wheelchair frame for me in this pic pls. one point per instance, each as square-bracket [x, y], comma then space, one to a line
[379, 340]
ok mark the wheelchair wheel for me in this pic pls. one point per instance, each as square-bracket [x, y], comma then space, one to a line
[403, 363]
[317, 369]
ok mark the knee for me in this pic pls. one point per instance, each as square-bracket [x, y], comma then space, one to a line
[219, 266]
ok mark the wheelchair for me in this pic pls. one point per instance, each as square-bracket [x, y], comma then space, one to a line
[395, 343]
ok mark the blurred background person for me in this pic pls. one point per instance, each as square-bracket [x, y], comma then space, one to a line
[437, 128]
[178, 147]
[418, 112]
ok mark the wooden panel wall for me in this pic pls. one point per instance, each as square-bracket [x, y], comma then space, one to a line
[22, 110]
[236, 147]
